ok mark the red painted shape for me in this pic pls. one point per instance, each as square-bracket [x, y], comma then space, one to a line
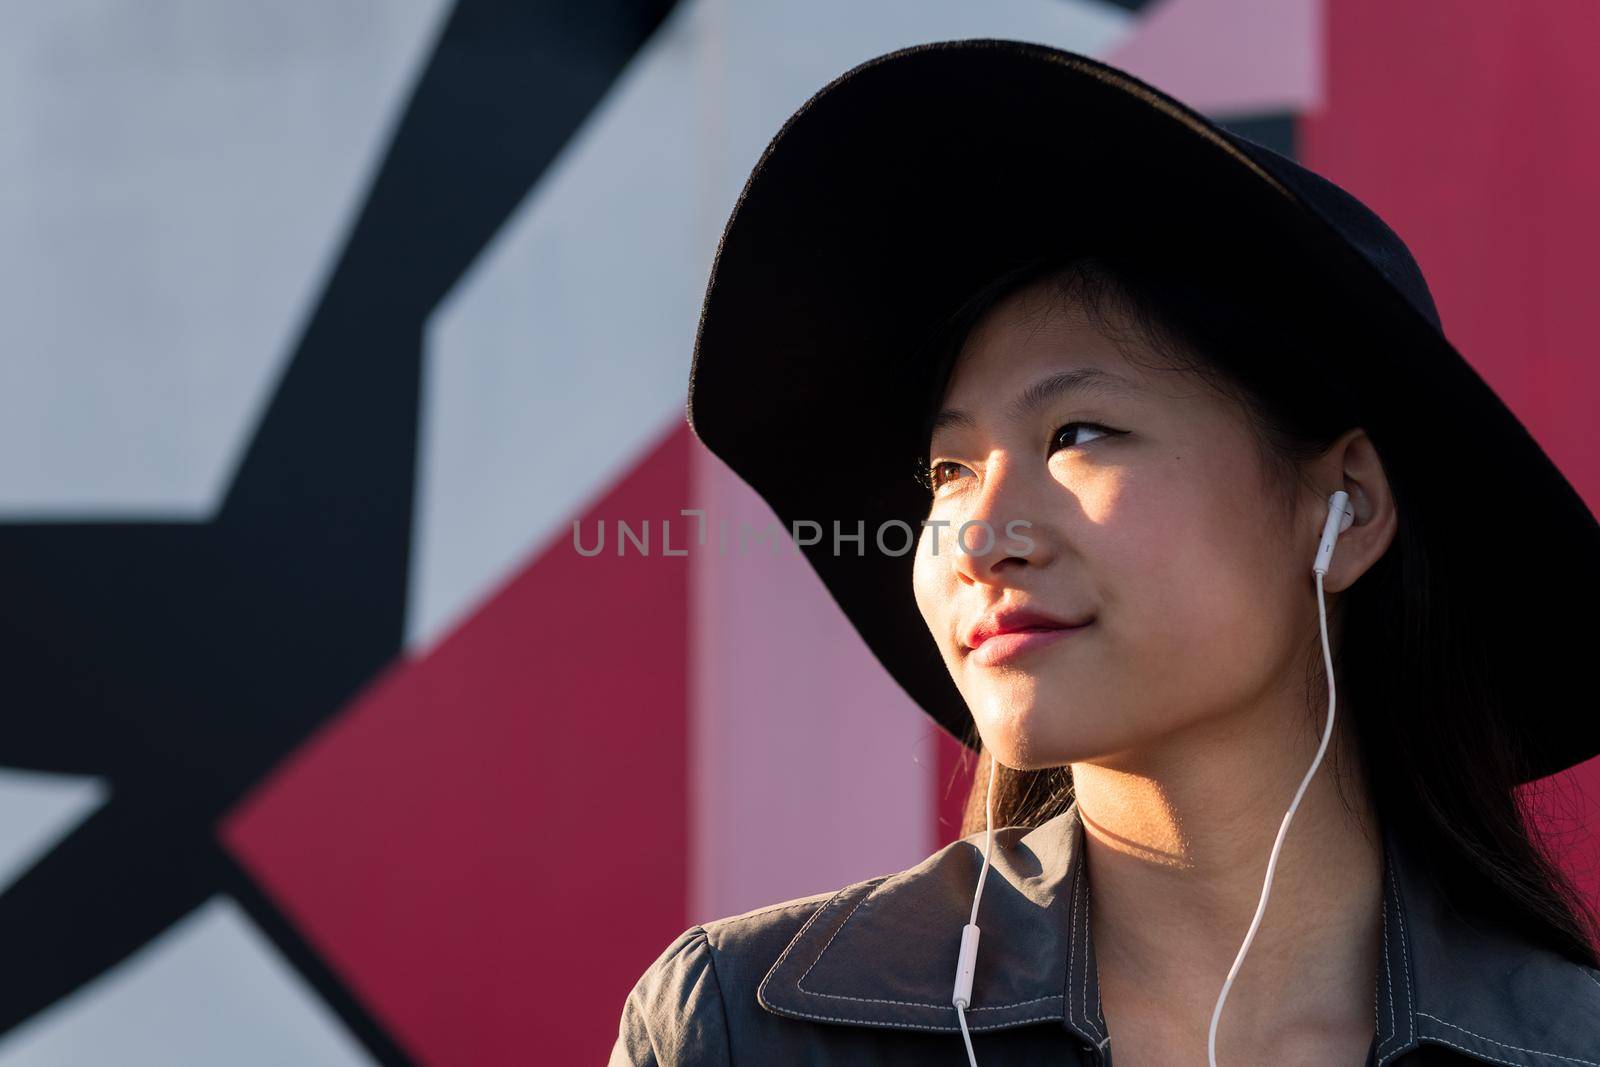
[1470, 129]
[954, 782]
[480, 844]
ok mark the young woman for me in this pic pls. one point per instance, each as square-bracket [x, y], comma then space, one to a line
[1244, 585]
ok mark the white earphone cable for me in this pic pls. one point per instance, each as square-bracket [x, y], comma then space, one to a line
[1337, 520]
[969, 935]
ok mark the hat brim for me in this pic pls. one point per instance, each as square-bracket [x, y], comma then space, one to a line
[916, 176]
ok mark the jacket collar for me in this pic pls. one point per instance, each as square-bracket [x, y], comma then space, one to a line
[882, 953]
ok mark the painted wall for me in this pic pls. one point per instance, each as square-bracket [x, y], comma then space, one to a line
[328, 322]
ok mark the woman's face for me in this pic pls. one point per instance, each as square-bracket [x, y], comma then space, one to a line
[1142, 494]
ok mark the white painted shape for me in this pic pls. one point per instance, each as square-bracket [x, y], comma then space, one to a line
[562, 353]
[210, 990]
[178, 176]
[38, 809]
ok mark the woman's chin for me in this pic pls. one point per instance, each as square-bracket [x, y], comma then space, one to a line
[1028, 738]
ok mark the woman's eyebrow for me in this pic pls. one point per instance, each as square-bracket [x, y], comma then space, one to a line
[1035, 396]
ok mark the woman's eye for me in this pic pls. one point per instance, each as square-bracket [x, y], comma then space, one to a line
[936, 476]
[943, 472]
[1065, 436]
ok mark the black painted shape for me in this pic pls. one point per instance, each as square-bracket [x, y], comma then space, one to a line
[183, 661]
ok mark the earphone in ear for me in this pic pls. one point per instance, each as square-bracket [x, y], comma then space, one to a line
[1340, 517]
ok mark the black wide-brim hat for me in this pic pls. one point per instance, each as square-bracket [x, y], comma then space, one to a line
[915, 177]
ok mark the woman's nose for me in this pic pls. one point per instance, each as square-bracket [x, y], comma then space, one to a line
[997, 533]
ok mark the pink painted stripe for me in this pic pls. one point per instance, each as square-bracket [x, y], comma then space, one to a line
[1221, 56]
[811, 768]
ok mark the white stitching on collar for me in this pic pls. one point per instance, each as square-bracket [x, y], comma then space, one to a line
[1074, 941]
[800, 982]
[1502, 1044]
[1388, 970]
[1405, 962]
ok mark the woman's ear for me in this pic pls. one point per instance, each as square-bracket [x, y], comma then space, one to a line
[1353, 464]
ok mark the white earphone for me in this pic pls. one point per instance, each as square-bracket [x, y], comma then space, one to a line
[1340, 518]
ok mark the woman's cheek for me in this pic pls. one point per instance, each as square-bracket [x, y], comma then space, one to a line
[1169, 583]
[931, 582]
[1138, 541]
[923, 582]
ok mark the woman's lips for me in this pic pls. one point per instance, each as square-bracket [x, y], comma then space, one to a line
[1003, 648]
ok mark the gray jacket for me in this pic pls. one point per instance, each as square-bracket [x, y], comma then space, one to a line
[864, 975]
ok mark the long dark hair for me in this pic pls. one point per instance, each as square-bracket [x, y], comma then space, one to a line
[1442, 757]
